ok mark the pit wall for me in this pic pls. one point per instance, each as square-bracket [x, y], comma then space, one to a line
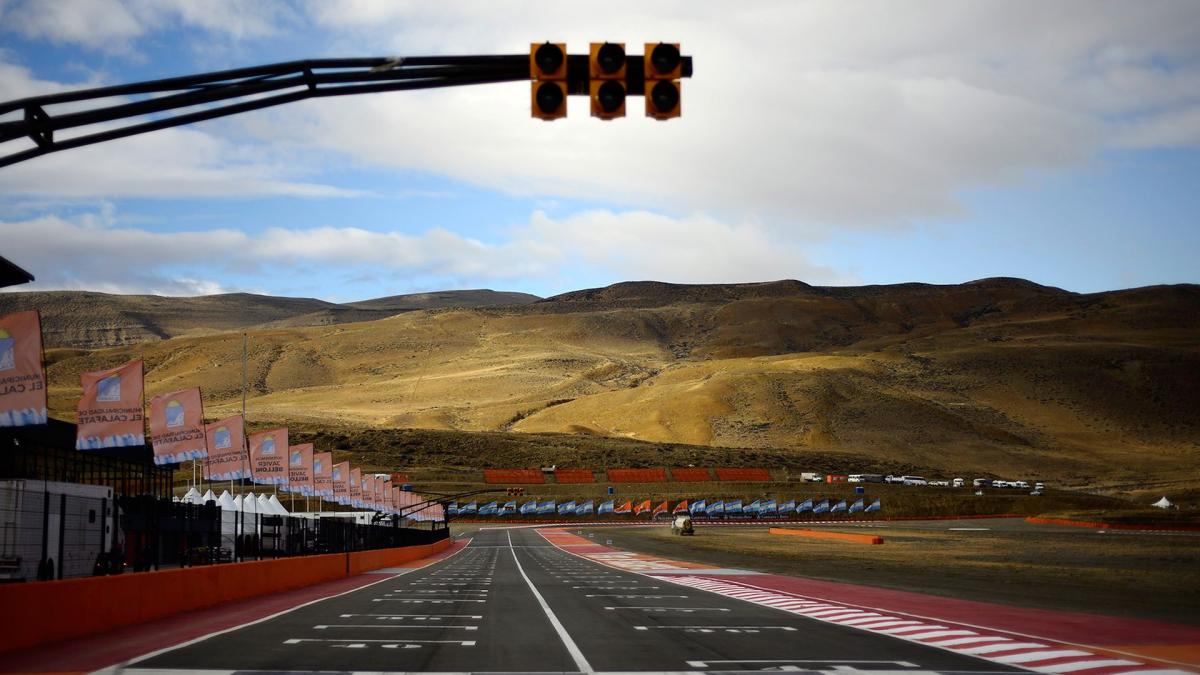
[49, 611]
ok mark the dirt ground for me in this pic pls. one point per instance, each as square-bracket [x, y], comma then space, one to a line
[1154, 576]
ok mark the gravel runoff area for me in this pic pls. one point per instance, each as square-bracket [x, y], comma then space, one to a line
[1121, 573]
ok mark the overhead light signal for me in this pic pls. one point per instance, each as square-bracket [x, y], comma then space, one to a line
[663, 68]
[548, 70]
[606, 71]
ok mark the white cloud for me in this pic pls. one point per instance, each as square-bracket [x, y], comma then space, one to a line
[112, 26]
[95, 252]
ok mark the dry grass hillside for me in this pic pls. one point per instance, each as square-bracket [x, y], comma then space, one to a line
[998, 376]
[92, 320]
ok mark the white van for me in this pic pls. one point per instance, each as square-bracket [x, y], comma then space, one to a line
[958, 482]
[913, 480]
[854, 478]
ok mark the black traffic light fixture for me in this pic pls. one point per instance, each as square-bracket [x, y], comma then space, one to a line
[663, 67]
[607, 72]
[548, 70]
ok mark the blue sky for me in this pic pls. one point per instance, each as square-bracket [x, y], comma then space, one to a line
[1059, 142]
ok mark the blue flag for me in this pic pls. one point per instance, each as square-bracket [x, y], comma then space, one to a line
[734, 506]
[546, 508]
[585, 508]
[567, 508]
[605, 508]
[856, 506]
[697, 506]
[452, 509]
[839, 507]
[488, 509]
[716, 508]
[788, 507]
[873, 507]
[529, 507]
[471, 507]
[752, 507]
[509, 508]
[805, 506]
[822, 506]
[767, 508]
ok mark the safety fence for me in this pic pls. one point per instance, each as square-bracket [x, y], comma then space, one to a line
[513, 476]
[48, 533]
[574, 476]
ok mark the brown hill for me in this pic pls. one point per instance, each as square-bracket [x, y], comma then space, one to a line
[91, 320]
[997, 376]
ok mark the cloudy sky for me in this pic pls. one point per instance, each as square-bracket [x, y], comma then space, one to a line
[837, 142]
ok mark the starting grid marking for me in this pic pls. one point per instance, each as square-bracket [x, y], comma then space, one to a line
[1035, 656]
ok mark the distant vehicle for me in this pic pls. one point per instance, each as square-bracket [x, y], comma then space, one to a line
[836, 478]
[1001, 484]
[682, 525]
[913, 480]
[1020, 484]
[1036, 493]
[981, 482]
[958, 482]
[939, 483]
[1039, 487]
[872, 478]
[893, 480]
[811, 477]
[855, 478]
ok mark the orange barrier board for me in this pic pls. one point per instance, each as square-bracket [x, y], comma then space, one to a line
[1182, 527]
[690, 475]
[730, 473]
[840, 536]
[574, 476]
[637, 475]
[513, 476]
[49, 611]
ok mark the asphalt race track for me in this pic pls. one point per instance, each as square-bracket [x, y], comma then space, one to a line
[512, 602]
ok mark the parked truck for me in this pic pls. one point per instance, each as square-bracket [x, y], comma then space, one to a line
[54, 530]
[812, 477]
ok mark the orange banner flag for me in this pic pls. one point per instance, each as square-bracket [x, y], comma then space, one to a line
[226, 450]
[323, 474]
[110, 410]
[267, 463]
[177, 427]
[22, 380]
[300, 469]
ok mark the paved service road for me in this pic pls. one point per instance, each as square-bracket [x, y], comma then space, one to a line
[512, 602]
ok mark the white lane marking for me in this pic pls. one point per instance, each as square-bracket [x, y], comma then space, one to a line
[376, 625]
[464, 643]
[1001, 647]
[630, 595]
[783, 628]
[968, 529]
[573, 649]
[118, 668]
[1043, 655]
[439, 616]
[675, 609]
[421, 601]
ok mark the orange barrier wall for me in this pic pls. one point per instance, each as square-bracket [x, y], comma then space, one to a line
[513, 476]
[365, 561]
[574, 476]
[690, 475]
[637, 475]
[49, 611]
[1183, 527]
[840, 536]
[731, 473]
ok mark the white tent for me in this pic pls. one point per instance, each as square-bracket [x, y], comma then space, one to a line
[192, 496]
[277, 507]
[264, 505]
[237, 503]
[1163, 503]
[249, 503]
[227, 502]
[208, 497]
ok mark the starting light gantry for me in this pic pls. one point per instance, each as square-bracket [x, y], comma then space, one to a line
[605, 74]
